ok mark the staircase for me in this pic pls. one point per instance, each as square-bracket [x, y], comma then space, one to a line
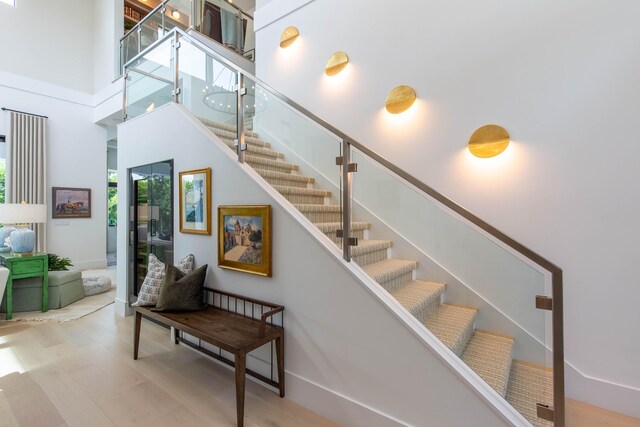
[522, 384]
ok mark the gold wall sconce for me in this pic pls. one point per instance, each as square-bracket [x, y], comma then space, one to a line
[336, 63]
[400, 99]
[489, 141]
[289, 35]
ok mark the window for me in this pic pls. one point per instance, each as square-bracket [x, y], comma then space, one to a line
[9, 2]
[112, 197]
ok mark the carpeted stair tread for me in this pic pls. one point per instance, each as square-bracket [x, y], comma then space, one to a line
[452, 325]
[302, 191]
[254, 160]
[331, 227]
[528, 386]
[284, 176]
[420, 298]
[228, 135]
[224, 126]
[490, 357]
[304, 208]
[389, 269]
[266, 152]
[365, 246]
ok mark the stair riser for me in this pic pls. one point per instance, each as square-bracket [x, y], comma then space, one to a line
[422, 311]
[370, 258]
[338, 240]
[458, 347]
[305, 199]
[286, 182]
[318, 217]
[397, 282]
[274, 168]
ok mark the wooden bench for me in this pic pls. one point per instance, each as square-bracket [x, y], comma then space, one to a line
[233, 330]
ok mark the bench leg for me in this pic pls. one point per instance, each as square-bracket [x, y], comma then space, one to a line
[280, 359]
[241, 360]
[136, 335]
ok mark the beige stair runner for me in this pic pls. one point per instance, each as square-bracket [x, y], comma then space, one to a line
[489, 355]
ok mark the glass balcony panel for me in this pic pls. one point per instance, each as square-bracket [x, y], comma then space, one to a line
[149, 80]
[151, 29]
[128, 47]
[207, 86]
[221, 21]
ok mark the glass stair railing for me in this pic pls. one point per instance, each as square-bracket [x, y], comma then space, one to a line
[219, 20]
[490, 301]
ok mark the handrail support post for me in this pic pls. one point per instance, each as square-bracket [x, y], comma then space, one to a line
[176, 69]
[346, 200]
[240, 144]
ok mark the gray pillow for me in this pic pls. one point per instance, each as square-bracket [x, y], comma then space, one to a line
[150, 289]
[182, 292]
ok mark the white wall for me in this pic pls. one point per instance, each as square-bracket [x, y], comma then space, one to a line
[347, 356]
[50, 41]
[76, 157]
[560, 76]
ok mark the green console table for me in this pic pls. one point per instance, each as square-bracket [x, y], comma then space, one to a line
[20, 267]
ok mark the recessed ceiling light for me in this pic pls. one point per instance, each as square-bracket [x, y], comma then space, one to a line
[175, 14]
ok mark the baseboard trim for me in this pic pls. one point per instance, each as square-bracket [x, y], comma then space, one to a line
[335, 406]
[605, 394]
[122, 308]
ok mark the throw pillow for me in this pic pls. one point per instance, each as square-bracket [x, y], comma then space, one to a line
[182, 292]
[152, 283]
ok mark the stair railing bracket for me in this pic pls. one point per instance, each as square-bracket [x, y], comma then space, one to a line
[543, 302]
[545, 412]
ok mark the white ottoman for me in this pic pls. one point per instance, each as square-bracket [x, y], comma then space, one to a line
[96, 285]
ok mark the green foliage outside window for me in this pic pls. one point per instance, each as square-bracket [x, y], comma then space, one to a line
[3, 169]
[112, 199]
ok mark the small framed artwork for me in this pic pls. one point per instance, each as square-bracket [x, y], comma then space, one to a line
[195, 201]
[71, 202]
[244, 239]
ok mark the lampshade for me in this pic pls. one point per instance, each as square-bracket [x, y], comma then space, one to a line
[22, 213]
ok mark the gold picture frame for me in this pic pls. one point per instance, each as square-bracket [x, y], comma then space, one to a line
[195, 201]
[244, 239]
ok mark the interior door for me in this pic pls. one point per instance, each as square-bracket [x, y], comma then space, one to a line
[151, 219]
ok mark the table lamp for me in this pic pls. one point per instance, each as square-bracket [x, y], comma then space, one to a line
[23, 239]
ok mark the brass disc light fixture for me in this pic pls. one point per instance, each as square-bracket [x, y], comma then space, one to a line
[489, 141]
[289, 35]
[400, 99]
[336, 63]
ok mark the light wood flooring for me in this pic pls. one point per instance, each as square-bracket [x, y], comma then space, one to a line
[82, 373]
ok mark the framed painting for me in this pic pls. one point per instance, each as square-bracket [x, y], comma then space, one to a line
[244, 239]
[195, 201]
[71, 202]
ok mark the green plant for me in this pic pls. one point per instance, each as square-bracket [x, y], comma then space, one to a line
[59, 264]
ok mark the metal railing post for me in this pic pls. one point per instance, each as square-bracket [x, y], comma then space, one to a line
[346, 201]
[176, 69]
[163, 12]
[139, 32]
[558, 350]
[240, 144]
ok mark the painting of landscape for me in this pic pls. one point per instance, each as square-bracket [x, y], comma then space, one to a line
[245, 239]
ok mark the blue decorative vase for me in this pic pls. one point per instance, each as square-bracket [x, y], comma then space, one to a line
[23, 240]
[4, 233]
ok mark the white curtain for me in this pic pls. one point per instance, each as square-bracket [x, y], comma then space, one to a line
[26, 174]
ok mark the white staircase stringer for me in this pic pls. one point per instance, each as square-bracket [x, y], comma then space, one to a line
[473, 380]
